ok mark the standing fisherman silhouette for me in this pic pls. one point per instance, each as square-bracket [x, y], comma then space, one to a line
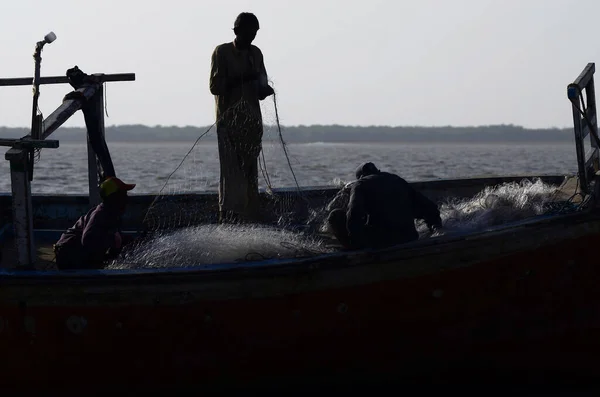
[238, 80]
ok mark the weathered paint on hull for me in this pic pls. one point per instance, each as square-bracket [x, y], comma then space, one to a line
[523, 312]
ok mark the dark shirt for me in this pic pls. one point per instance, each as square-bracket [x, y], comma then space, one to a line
[229, 64]
[93, 233]
[382, 210]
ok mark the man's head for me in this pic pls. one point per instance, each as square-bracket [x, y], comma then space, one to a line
[365, 170]
[245, 28]
[113, 192]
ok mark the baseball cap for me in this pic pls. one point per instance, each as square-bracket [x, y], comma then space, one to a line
[112, 185]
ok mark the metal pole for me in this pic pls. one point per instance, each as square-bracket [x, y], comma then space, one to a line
[36, 123]
[37, 56]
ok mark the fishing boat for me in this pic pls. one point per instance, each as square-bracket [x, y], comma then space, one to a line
[515, 301]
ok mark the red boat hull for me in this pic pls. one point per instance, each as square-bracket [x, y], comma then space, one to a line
[528, 313]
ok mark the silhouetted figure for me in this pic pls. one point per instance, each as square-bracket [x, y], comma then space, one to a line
[96, 236]
[381, 211]
[238, 80]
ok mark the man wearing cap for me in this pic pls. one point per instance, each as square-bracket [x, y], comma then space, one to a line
[96, 236]
[238, 80]
[381, 211]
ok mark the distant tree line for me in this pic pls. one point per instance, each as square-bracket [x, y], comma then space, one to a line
[322, 133]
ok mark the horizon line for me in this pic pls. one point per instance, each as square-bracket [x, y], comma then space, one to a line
[318, 125]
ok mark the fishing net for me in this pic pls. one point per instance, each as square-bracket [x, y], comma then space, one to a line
[211, 244]
[206, 245]
[498, 205]
[182, 227]
[493, 206]
[189, 196]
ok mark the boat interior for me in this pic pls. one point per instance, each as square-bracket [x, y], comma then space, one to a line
[53, 214]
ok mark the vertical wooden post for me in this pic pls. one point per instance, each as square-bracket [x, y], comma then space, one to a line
[22, 207]
[579, 144]
[94, 191]
[585, 123]
[590, 93]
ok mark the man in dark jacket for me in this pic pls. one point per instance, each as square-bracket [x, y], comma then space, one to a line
[96, 236]
[381, 211]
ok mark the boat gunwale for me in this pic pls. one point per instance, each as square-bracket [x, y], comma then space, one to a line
[298, 266]
[455, 182]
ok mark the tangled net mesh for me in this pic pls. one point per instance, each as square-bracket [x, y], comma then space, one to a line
[212, 243]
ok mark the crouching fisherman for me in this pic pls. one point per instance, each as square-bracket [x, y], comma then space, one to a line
[381, 211]
[95, 237]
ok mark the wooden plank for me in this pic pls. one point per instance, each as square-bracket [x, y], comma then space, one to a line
[579, 148]
[44, 254]
[581, 128]
[22, 211]
[591, 158]
[29, 143]
[585, 129]
[94, 189]
[45, 144]
[590, 93]
[568, 190]
[590, 153]
[66, 110]
[58, 117]
[586, 75]
[64, 80]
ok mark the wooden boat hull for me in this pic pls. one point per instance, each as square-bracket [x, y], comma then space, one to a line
[521, 300]
[516, 300]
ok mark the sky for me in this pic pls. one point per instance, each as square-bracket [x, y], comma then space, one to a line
[375, 62]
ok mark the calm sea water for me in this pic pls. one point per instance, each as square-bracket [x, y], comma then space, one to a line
[64, 170]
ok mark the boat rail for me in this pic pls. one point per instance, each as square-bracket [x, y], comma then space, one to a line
[585, 123]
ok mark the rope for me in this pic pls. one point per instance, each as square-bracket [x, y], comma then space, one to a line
[105, 100]
[263, 170]
[175, 170]
[283, 144]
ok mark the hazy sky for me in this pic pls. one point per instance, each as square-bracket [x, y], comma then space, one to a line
[370, 62]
